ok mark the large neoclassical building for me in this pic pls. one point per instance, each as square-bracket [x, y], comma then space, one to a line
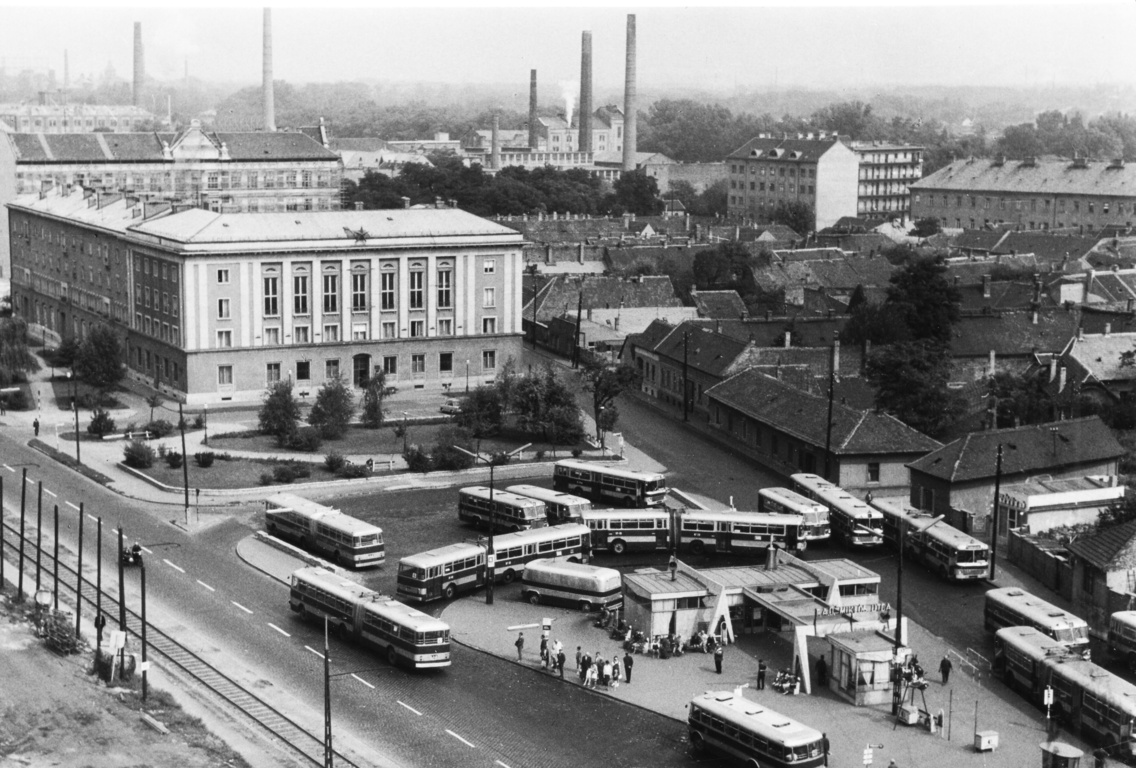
[217, 306]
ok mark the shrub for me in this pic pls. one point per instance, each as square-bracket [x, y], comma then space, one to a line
[162, 450]
[198, 421]
[138, 455]
[418, 460]
[334, 461]
[204, 459]
[19, 401]
[447, 457]
[130, 428]
[87, 400]
[174, 459]
[159, 428]
[577, 453]
[101, 423]
[540, 455]
[289, 471]
[353, 471]
[266, 478]
[306, 440]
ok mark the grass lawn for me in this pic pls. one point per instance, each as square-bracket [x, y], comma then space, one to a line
[238, 473]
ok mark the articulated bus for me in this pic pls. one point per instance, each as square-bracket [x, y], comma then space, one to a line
[787, 502]
[941, 547]
[1087, 698]
[508, 511]
[1122, 637]
[742, 532]
[445, 571]
[729, 724]
[1014, 607]
[620, 530]
[560, 507]
[406, 635]
[327, 531]
[625, 487]
[852, 520]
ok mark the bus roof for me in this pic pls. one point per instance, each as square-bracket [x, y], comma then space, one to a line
[546, 494]
[298, 504]
[896, 507]
[407, 616]
[756, 717]
[625, 514]
[484, 492]
[1124, 617]
[445, 554]
[517, 538]
[567, 568]
[1097, 680]
[1035, 643]
[450, 552]
[1035, 607]
[788, 495]
[591, 466]
[336, 584]
[735, 516]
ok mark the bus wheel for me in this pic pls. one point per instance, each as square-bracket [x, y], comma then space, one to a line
[698, 546]
[392, 657]
[618, 547]
[697, 743]
[508, 576]
[533, 598]
[448, 592]
[585, 606]
[751, 763]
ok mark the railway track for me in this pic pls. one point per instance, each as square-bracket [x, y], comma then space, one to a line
[249, 707]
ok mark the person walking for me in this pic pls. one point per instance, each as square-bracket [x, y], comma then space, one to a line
[544, 657]
[719, 652]
[616, 671]
[585, 665]
[761, 670]
[822, 672]
[628, 662]
[579, 655]
[35, 427]
[560, 659]
[520, 643]
[557, 647]
[945, 668]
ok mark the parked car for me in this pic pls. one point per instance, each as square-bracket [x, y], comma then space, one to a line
[452, 405]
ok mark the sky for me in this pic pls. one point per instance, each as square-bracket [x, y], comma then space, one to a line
[841, 44]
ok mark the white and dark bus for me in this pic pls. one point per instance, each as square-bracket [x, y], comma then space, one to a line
[1014, 607]
[623, 487]
[1122, 637]
[852, 520]
[943, 548]
[560, 507]
[326, 531]
[405, 635]
[559, 582]
[506, 511]
[727, 723]
[446, 571]
[786, 502]
[629, 530]
[738, 532]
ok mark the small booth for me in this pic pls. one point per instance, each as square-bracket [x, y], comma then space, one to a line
[860, 665]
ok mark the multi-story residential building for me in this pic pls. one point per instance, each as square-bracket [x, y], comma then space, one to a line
[1035, 193]
[73, 118]
[249, 171]
[818, 170]
[216, 306]
[555, 134]
[886, 173]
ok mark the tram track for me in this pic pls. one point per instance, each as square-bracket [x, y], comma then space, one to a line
[249, 707]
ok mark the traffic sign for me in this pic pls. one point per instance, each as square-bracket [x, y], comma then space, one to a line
[1048, 697]
[868, 756]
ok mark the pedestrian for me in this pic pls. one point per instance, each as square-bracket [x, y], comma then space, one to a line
[601, 666]
[885, 617]
[590, 677]
[628, 662]
[822, 671]
[761, 670]
[585, 665]
[557, 647]
[543, 644]
[945, 668]
[560, 659]
[1100, 757]
[892, 764]
[719, 652]
[579, 655]
[35, 426]
[520, 643]
[544, 658]
[616, 672]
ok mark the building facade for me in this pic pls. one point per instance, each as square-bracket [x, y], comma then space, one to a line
[1035, 193]
[886, 173]
[216, 307]
[74, 118]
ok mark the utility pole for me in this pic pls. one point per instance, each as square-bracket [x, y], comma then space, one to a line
[997, 493]
[831, 397]
[328, 752]
[20, 552]
[576, 337]
[79, 573]
[685, 381]
[184, 464]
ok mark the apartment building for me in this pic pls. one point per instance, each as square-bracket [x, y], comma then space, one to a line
[73, 118]
[886, 173]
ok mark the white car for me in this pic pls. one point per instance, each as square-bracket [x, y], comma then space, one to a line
[452, 405]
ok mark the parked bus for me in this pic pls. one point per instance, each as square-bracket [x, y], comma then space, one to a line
[625, 487]
[620, 530]
[407, 636]
[1014, 607]
[939, 546]
[560, 507]
[445, 571]
[729, 724]
[508, 511]
[1087, 699]
[786, 502]
[743, 532]
[560, 582]
[1122, 637]
[324, 530]
[856, 523]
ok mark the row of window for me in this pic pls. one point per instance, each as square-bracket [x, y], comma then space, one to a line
[332, 369]
[157, 329]
[302, 334]
[773, 170]
[759, 186]
[1003, 203]
[360, 292]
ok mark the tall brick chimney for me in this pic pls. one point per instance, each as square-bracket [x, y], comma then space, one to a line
[532, 110]
[495, 147]
[139, 64]
[269, 96]
[586, 109]
[629, 117]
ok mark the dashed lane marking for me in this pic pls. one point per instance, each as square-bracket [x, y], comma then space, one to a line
[148, 552]
[92, 517]
[202, 583]
[459, 738]
[361, 680]
[498, 762]
[175, 567]
[71, 505]
[412, 709]
[246, 610]
[313, 650]
[278, 629]
[9, 468]
[50, 493]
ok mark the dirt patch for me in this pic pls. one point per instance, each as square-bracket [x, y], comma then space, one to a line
[55, 712]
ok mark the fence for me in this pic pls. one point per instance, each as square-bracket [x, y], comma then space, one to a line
[1043, 559]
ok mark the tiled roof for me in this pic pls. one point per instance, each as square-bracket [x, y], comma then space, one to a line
[652, 336]
[854, 432]
[1047, 247]
[719, 304]
[978, 239]
[864, 244]
[365, 144]
[1102, 548]
[1100, 355]
[1045, 176]
[1013, 333]
[806, 331]
[147, 147]
[809, 254]
[800, 150]
[841, 273]
[562, 294]
[817, 360]
[622, 259]
[1112, 286]
[1077, 441]
[706, 351]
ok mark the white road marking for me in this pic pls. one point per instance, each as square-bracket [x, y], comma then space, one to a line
[361, 680]
[148, 552]
[71, 505]
[9, 468]
[459, 738]
[49, 493]
[313, 650]
[498, 762]
[246, 610]
[278, 629]
[176, 568]
[412, 709]
[202, 583]
[92, 517]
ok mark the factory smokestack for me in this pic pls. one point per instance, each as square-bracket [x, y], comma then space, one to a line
[629, 117]
[585, 143]
[495, 157]
[532, 110]
[139, 66]
[269, 97]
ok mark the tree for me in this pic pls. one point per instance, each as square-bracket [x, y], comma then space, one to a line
[101, 423]
[875, 323]
[926, 227]
[373, 395]
[637, 193]
[99, 361]
[332, 411]
[1021, 399]
[64, 355]
[544, 406]
[910, 380]
[925, 299]
[605, 383]
[725, 267]
[154, 401]
[482, 412]
[796, 215]
[16, 361]
[280, 412]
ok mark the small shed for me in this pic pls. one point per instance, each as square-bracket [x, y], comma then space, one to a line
[861, 664]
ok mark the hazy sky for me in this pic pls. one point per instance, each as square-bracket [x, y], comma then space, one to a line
[841, 44]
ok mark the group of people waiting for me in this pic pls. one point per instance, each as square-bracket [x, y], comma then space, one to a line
[599, 672]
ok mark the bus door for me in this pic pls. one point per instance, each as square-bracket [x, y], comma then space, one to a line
[723, 536]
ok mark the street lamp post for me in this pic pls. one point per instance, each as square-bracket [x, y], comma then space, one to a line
[75, 408]
[600, 429]
[405, 417]
[997, 493]
[205, 421]
[467, 377]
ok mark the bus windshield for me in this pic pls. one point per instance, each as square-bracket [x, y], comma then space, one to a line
[653, 485]
[969, 555]
[411, 571]
[1071, 635]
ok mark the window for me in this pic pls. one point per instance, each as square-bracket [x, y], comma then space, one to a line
[446, 362]
[418, 363]
[224, 339]
[271, 296]
[223, 309]
[306, 179]
[386, 290]
[390, 330]
[489, 360]
[302, 334]
[303, 370]
[417, 328]
[445, 327]
[390, 365]
[331, 369]
[359, 292]
[331, 293]
[271, 336]
[445, 283]
[331, 333]
[489, 325]
[225, 375]
[416, 297]
[489, 297]
[222, 277]
[873, 471]
[490, 266]
[300, 294]
[272, 373]
[359, 332]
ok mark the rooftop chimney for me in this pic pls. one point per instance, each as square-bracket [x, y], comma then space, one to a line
[139, 66]
[585, 143]
[532, 110]
[495, 157]
[630, 119]
[269, 96]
